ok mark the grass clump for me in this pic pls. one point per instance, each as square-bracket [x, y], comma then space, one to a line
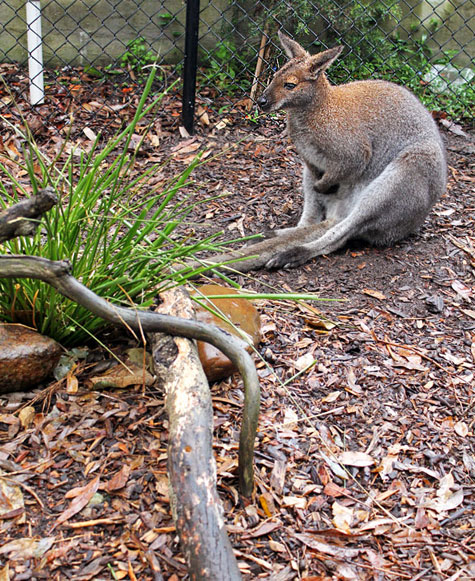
[114, 226]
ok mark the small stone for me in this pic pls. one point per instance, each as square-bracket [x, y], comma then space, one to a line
[435, 304]
[243, 315]
[26, 357]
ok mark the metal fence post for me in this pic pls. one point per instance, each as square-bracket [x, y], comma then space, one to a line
[190, 63]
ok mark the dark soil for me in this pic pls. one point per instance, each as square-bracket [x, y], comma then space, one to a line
[365, 462]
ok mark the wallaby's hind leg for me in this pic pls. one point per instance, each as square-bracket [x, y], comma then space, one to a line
[390, 208]
[303, 251]
[259, 254]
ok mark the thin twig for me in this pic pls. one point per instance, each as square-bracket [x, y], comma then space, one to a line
[260, 61]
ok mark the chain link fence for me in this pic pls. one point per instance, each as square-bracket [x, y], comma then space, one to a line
[97, 53]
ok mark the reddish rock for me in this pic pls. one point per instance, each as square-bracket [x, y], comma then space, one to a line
[243, 315]
[26, 357]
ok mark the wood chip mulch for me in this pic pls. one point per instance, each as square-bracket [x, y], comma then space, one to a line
[365, 459]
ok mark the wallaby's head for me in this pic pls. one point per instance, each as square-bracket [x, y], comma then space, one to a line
[297, 83]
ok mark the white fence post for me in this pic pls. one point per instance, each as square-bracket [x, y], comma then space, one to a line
[35, 51]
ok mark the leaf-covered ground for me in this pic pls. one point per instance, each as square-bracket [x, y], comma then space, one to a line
[365, 461]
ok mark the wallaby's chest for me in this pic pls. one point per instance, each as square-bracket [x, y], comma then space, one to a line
[312, 154]
[309, 143]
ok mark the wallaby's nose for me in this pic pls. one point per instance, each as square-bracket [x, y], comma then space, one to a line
[263, 102]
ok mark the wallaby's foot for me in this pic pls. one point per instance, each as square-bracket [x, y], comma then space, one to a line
[279, 232]
[290, 231]
[268, 234]
[265, 235]
[270, 253]
[291, 258]
[303, 232]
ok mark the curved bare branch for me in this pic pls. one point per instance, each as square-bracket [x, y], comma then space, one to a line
[58, 275]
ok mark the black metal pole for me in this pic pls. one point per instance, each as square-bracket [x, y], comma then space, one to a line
[190, 63]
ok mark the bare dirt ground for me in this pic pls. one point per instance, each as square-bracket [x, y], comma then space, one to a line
[365, 461]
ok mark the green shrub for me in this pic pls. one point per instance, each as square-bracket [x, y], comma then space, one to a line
[225, 69]
[137, 59]
[138, 55]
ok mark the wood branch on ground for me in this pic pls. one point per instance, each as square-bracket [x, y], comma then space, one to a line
[194, 499]
[58, 275]
[22, 219]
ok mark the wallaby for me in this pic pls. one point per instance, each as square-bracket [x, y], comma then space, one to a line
[373, 161]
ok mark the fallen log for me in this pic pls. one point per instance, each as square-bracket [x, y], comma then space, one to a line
[191, 466]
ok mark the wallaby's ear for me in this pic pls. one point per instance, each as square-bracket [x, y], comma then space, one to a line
[321, 61]
[292, 48]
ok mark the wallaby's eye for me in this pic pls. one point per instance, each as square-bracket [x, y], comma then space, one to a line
[289, 86]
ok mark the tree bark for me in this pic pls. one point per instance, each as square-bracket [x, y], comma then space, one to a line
[191, 467]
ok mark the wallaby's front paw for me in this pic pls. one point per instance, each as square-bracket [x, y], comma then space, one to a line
[290, 258]
[324, 187]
